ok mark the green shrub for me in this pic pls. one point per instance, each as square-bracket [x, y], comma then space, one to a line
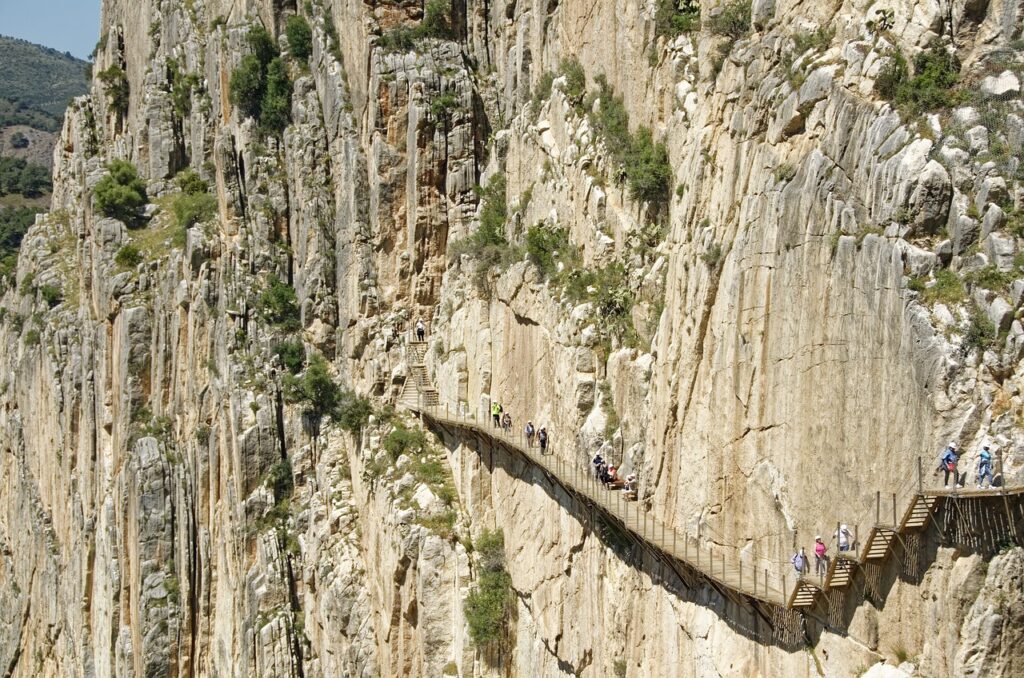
[262, 44]
[644, 162]
[192, 209]
[980, 333]
[820, 39]
[648, 172]
[990, 278]
[182, 86]
[733, 21]
[785, 173]
[712, 256]
[300, 37]
[316, 389]
[545, 245]
[936, 74]
[489, 605]
[276, 108]
[674, 17]
[190, 183]
[51, 295]
[575, 80]
[260, 86]
[279, 305]
[292, 355]
[488, 245]
[32, 337]
[115, 82]
[948, 289]
[120, 194]
[542, 92]
[353, 412]
[19, 140]
[403, 440]
[247, 86]
[612, 121]
[436, 23]
[442, 105]
[279, 480]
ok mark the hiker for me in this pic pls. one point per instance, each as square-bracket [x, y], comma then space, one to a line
[844, 537]
[949, 460]
[820, 559]
[799, 561]
[597, 463]
[542, 436]
[530, 432]
[985, 466]
[421, 330]
[614, 481]
[496, 414]
[506, 423]
[629, 490]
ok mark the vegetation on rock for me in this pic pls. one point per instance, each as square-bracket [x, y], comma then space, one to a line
[260, 86]
[300, 38]
[489, 606]
[120, 194]
[278, 304]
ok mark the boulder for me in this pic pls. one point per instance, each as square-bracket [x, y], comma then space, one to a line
[1005, 84]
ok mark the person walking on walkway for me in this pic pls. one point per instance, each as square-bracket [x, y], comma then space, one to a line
[530, 433]
[949, 461]
[799, 561]
[985, 466]
[596, 464]
[820, 559]
[506, 423]
[542, 437]
[421, 330]
[496, 414]
[844, 537]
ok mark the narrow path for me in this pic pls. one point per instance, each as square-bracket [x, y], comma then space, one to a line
[775, 585]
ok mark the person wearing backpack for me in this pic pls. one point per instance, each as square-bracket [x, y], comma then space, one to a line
[542, 437]
[530, 433]
[984, 466]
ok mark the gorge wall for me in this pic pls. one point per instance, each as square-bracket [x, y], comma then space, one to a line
[824, 289]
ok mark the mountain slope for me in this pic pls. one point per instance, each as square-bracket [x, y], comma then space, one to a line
[40, 78]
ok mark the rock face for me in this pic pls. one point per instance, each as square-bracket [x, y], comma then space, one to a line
[813, 289]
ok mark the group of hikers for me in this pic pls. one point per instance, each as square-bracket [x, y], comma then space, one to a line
[608, 475]
[503, 420]
[947, 466]
[801, 563]
[951, 457]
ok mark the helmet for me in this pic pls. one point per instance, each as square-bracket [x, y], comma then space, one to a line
[952, 444]
[817, 538]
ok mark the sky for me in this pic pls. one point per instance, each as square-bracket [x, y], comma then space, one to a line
[65, 25]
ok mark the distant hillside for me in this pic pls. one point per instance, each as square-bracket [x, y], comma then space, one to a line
[36, 84]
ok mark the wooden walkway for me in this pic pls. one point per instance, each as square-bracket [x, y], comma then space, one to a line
[774, 584]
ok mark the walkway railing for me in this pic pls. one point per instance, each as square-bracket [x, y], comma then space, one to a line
[768, 582]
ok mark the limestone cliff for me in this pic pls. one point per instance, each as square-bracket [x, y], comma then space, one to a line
[766, 255]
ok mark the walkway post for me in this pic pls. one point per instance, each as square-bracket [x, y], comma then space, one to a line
[766, 582]
[878, 505]
[894, 510]
[920, 478]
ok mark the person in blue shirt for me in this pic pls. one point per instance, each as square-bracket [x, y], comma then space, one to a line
[948, 465]
[985, 466]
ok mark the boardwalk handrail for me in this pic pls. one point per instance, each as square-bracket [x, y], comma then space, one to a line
[775, 585]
